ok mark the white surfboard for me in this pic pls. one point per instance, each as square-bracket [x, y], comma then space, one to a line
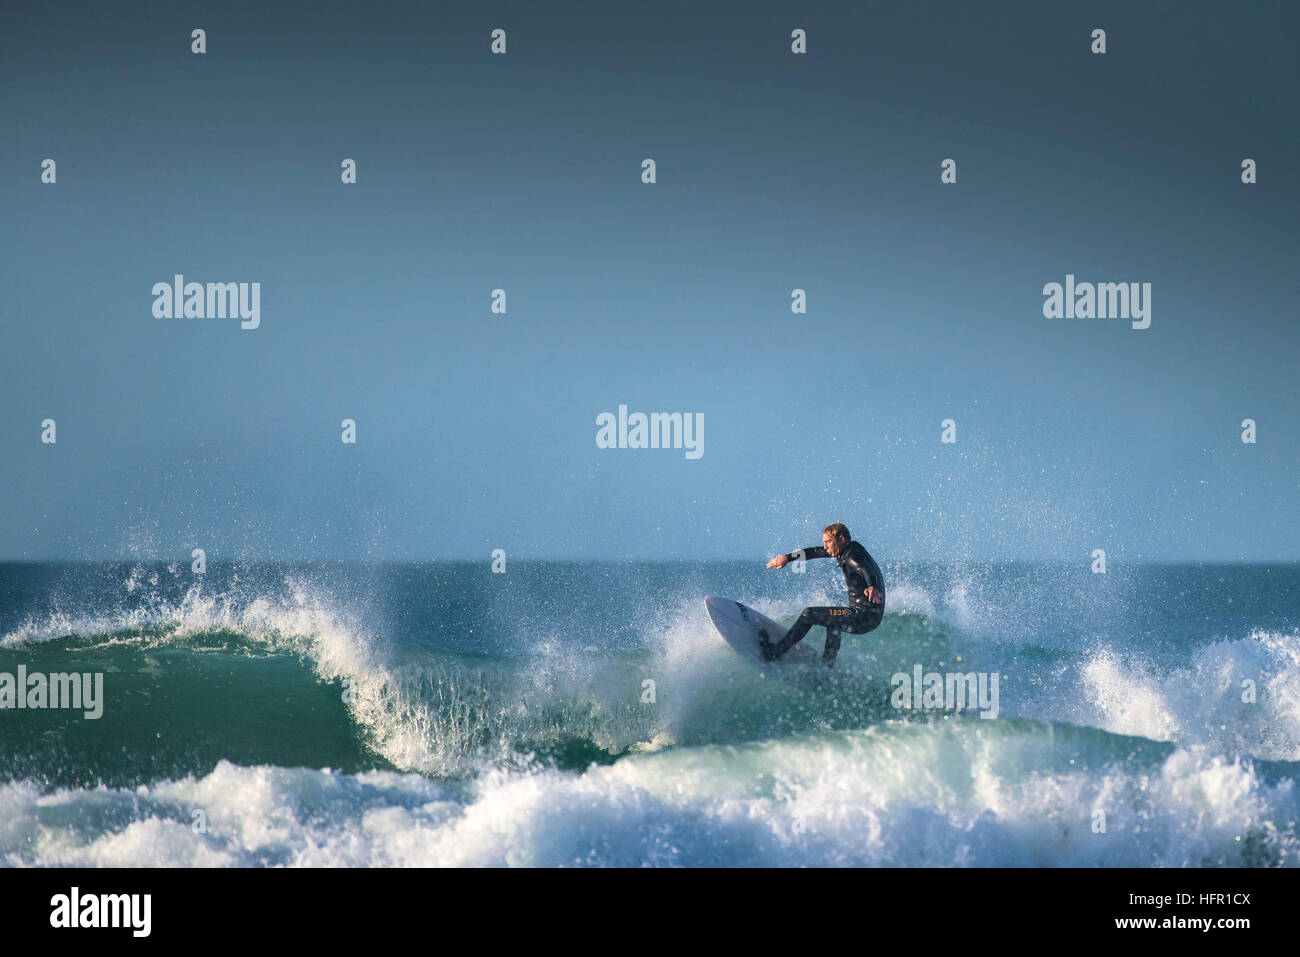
[739, 626]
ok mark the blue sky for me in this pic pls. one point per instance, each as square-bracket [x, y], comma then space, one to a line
[775, 172]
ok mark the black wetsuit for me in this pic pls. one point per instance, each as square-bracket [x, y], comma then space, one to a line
[861, 616]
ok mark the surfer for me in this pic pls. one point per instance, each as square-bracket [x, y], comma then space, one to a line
[866, 587]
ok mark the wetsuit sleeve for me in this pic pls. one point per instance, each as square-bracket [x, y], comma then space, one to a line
[816, 551]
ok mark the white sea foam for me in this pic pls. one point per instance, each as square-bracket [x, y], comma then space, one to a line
[1208, 701]
[953, 793]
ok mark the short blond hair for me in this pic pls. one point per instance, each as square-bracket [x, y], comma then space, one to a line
[838, 529]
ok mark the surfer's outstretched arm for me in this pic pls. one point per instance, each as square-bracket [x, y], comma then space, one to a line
[799, 554]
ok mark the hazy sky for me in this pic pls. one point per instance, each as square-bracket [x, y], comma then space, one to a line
[775, 171]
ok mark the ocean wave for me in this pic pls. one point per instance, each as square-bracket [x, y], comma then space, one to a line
[1237, 696]
[297, 674]
[947, 793]
[302, 678]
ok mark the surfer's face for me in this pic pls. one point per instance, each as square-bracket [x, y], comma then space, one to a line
[832, 544]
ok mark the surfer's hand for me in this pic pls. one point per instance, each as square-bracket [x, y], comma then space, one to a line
[779, 562]
[874, 596]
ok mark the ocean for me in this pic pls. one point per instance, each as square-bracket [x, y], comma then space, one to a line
[587, 714]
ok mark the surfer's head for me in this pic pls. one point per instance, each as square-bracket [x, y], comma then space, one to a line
[834, 538]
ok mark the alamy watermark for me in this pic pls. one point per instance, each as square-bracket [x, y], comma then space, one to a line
[77, 910]
[37, 690]
[1104, 300]
[932, 691]
[657, 430]
[179, 299]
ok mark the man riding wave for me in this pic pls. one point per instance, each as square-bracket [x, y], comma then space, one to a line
[866, 588]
